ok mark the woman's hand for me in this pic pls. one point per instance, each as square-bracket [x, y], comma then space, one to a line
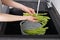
[30, 18]
[29, 10]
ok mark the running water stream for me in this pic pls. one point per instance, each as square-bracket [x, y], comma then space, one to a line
[38, 6]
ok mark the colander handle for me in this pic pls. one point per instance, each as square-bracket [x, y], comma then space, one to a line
[21, 27]
[21, 23]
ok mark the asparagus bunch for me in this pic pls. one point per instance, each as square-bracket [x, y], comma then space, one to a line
[41, 19]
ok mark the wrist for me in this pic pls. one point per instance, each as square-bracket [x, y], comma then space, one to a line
[23, 17]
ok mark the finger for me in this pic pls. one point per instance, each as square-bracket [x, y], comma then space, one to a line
[28, 11]
[34, 20]
[32, 11]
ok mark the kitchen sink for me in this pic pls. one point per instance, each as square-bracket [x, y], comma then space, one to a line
[13, 28]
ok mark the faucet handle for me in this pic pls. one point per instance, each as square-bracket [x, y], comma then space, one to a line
[49, 3]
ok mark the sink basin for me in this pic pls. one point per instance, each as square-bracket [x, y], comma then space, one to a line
[16, 25]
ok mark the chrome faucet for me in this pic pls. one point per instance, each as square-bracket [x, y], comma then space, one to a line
[49, 3]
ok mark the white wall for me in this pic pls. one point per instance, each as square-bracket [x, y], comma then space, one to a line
[56, 4]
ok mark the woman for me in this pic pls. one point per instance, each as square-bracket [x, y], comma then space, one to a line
[9, 18]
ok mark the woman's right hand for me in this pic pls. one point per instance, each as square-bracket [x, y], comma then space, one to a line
[31, 18]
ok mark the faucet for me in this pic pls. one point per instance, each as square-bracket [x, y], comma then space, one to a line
[49, 3]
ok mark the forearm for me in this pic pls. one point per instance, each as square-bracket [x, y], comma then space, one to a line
[10, 18]
[13, 4]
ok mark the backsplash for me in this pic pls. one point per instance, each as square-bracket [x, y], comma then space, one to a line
[56, 3]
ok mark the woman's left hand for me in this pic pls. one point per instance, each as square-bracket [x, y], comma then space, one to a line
[29, 10]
